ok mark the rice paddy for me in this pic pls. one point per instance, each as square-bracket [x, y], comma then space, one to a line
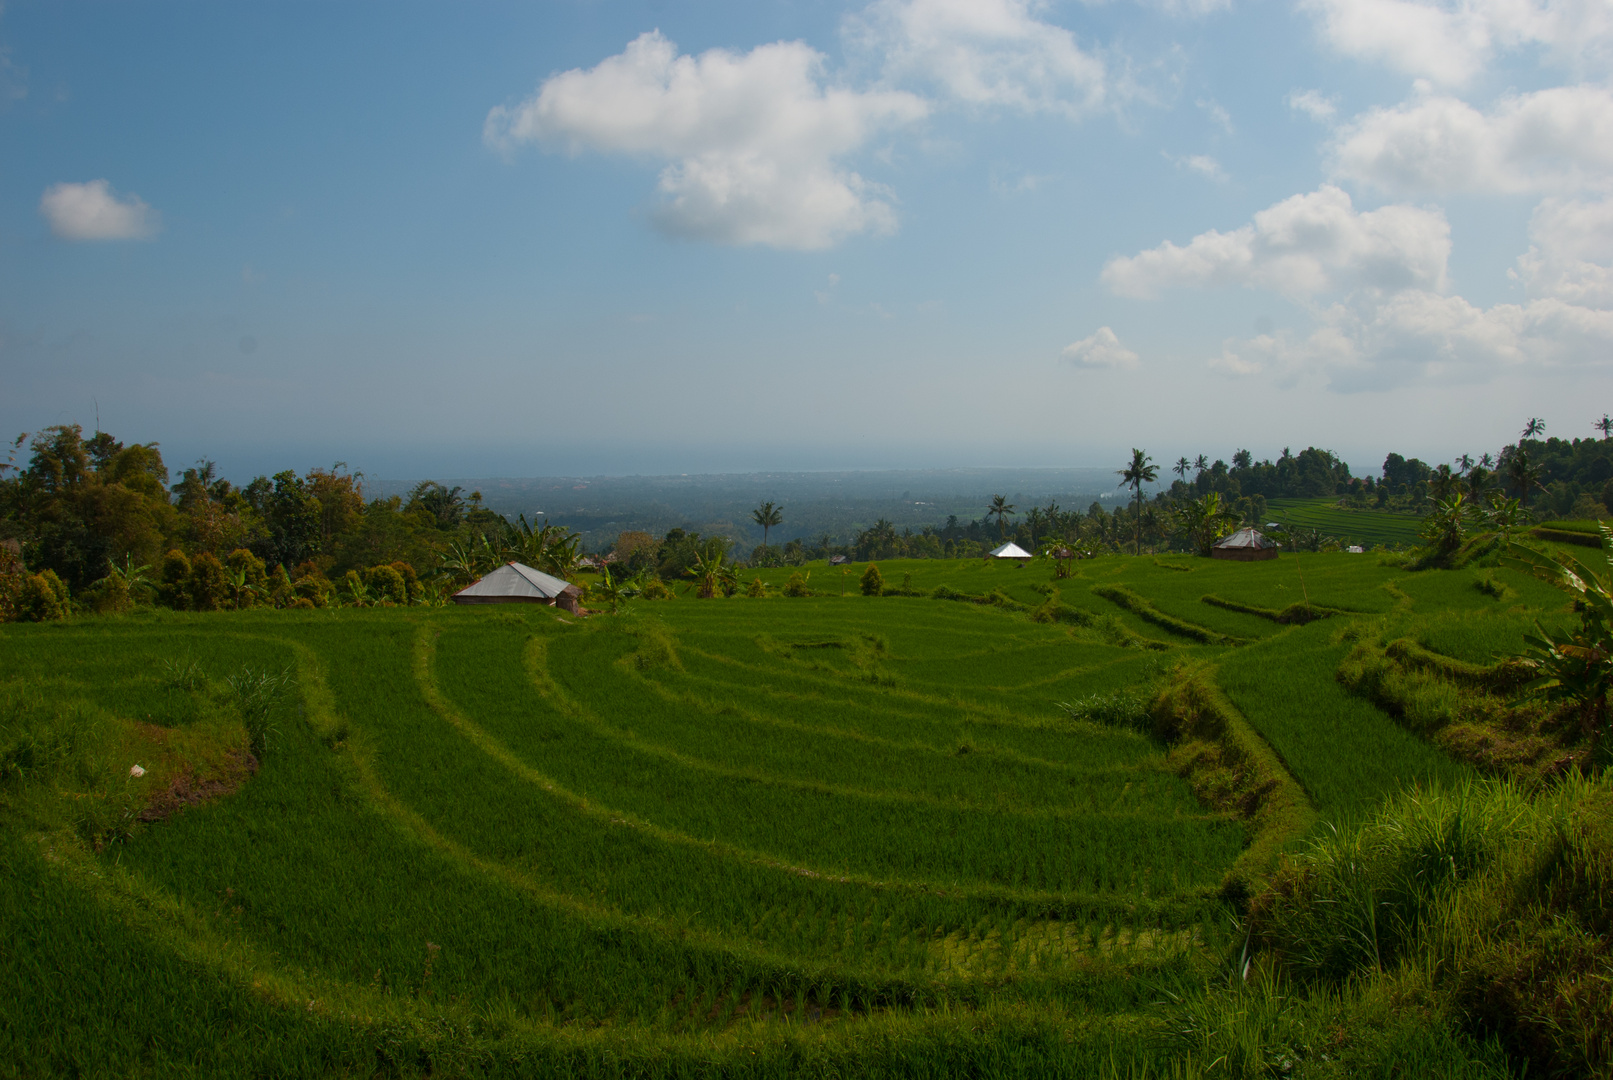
[820, 834]
[1349, 526]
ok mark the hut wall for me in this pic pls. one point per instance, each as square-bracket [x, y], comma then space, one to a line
[1243, 554]
[502, 600]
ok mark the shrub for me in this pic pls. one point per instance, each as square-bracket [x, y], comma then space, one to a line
[280, 588]
[57, 586]
[797, 585]
[301, 603]
[258, 695]
[386, 584]
[873, 582]
[656, 589]
[173, 589]
[109, 596]
[414, 591]
[207, 587]
[1127, 708]
[756, 590]
[37, 601]
[314, 588]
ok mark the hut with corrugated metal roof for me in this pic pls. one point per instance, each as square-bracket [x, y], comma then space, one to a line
[1245, 545]
[517, 583]
[1010, 550]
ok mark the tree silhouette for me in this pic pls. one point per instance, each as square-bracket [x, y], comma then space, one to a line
[1465, 462]
[1141, 471]
[767, 515]
[1201, 463]
[1002, 510]
[1524, 476]
[1535, 426]
[1605, 426]
[1181, 467]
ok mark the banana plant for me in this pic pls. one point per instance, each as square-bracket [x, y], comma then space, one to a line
[1446, 525]
[133, 577]
[563, 555]
[241, 590]
[1574, 664]
[710, 568]
[608, 588]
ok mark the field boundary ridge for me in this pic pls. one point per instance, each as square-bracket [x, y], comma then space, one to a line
[1231, 767]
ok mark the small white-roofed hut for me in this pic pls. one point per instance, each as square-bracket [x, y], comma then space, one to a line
[517, 583]
[1010, 550]
[1245, 545]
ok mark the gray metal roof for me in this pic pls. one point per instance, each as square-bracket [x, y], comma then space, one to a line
[518, 579]
[1246, 538]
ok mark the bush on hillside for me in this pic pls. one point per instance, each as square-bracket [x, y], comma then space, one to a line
[173, 589]
[797, 585]
[873, 582]
[386, 585]
[39, 600]
[207, 587]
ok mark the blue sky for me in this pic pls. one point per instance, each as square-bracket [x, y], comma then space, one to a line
[501, 239]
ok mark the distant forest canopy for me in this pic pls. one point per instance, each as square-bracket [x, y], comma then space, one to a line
[89, 508]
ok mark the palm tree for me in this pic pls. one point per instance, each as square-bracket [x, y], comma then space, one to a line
[1181, 467]
[1035, 520]
[1465, 462]
[1201, 463]
[1002, 510]
[1535, 426]
[1486, 460]
[1141, 471]
[1605, 426]
[767, 515]
[1524, 476]
[1441, 483]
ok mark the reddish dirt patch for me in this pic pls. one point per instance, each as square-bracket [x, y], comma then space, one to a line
[188, 789]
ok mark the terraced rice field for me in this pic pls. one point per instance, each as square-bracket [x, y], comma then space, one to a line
[1366, 527]
[812, 832]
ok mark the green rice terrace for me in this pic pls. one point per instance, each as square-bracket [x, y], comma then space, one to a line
[1166, 816]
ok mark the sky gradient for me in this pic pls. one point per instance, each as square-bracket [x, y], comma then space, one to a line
[589, 237]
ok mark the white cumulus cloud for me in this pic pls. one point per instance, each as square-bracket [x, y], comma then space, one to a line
[1305, 245]
[752, 142]
[1418, 336]
[1387, 319]
[1560, 139]
[1314, 104]
[987, 53]
[93, 211]
[1570, 254]
[1100, 350]
[1451, 41]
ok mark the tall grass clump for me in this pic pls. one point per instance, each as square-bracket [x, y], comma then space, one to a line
[259, 694]
[1489, 908]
